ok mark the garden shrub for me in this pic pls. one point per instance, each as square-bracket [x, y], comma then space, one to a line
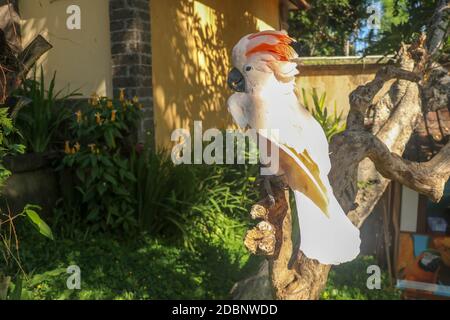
[349, 282]
[174, 200]
[43, 112]
[9, 241]
[98, 195]
[331, 123]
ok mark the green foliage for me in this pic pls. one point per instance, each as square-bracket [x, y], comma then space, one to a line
[402, 21]
[9, 240]
[171, 199]
[144, 268]
[132, 268]
[7, 147]
[100, 124]
[228, 191]
[30, 211]
[349, 282]
[324, 29]
[99, 195]
[163, 193]
[331, 123]
[39, 120]
[8, 236]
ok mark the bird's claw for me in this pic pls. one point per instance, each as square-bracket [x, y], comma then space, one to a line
[268, 189]
[271, 200]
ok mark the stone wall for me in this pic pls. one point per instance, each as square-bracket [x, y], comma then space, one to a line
[131, 54]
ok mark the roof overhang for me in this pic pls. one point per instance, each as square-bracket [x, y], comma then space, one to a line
[298, 5]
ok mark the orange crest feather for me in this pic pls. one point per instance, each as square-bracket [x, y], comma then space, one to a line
[281, 49]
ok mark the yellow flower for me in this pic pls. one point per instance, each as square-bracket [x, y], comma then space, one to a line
[122, 95]
[92, 147]
[66, 147]
[113, 115]
[109, 104]
[98, 118]
[79, 116]
[94, 100]
[140, 106]
[135, 99]
[77, 146]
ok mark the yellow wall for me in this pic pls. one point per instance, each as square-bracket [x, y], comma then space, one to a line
[81, 58]
[337, 82]
[191, 46]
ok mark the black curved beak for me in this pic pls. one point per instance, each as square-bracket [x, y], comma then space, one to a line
[236, 80]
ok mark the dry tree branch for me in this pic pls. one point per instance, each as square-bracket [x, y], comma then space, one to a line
[292, 275]
[427, 178]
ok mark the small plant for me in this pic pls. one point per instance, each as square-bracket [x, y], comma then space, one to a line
[348, 281]
[6, 146]
[9, 242]
[163, 192]
[331, 123]
[172, 200]
[39, 120]
[95, 156]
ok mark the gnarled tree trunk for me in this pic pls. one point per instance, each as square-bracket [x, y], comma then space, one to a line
[371, 156]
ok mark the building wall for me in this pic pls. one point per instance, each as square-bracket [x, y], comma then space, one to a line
[337, 81]
[191, 43]
[131, 55]
[81, 58]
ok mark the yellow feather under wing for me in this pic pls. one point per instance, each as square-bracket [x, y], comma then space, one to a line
[302, 172]
[304, 176]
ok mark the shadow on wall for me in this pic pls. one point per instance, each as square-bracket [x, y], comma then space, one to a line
[81, 58]
[192, 43]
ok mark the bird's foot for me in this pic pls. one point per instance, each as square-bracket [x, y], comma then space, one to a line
[273, 181]
[269, 191]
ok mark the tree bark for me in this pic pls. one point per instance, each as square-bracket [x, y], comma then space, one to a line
[364, 161]
[4, 285]
[15, 62]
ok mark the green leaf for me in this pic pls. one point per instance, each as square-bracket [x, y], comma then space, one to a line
[110, 179]
[109, 137]
[16, 294]
[37, 222]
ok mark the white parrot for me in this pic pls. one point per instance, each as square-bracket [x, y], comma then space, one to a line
[263, 79]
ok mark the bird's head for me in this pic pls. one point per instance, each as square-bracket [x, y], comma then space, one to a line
[263, 59]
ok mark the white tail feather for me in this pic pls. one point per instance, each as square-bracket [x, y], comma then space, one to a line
[332, 240]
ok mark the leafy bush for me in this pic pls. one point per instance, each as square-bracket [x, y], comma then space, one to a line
[99, 195]
[9, 243]
[140, 268]
[38, 120]
[349, 282]
[331, 124]
[163, 193]
[172, 199]
[7, 147]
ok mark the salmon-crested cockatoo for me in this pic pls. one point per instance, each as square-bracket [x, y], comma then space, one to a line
[263, 78]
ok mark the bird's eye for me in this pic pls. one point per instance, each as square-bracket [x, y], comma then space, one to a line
[248, 68]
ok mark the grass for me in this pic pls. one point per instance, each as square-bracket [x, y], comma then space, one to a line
[201, 260]
[138, 269]
[349, 282]
[144, 268]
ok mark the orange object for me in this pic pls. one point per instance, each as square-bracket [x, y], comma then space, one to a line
[281, 49]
